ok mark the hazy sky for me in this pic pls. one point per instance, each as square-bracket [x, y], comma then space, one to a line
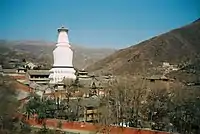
[96, 23]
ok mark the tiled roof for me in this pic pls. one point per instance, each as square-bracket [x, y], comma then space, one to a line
[9, 70]
[157, 77]
[85, 82]
[20, 67]
[21, 87]
[1, 69]
[90, 102]
[23, 91]
[19, 77]
[34, 85]
[78, 94]
[38, 72]
[24, 99]
[21, 95]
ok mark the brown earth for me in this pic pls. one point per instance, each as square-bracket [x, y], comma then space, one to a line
[42, 52]
[178, 47]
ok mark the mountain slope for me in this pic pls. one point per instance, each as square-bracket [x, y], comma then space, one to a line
[188, 74]
[42, 52]
[179, 46]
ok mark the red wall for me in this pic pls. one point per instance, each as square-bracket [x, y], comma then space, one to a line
[90, 127]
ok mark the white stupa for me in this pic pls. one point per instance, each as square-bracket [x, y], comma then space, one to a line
[63, 56]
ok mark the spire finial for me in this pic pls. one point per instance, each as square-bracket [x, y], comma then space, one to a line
[62, 26]
[62, 29]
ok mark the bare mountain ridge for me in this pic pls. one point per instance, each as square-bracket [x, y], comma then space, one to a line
[179, 46]
[42, 51]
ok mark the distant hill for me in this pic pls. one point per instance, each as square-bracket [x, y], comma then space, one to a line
[179, 47]
[41, 51]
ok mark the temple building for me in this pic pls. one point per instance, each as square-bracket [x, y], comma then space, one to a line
[63, 57]
[38, 76]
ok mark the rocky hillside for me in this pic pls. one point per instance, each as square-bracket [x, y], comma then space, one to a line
[40, 51]
[189, 74]
[179, 47]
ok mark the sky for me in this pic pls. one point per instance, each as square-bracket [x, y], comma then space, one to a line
[94, 23]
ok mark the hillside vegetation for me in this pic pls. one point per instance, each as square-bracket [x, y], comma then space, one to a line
[178, 47]
[42, 52]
